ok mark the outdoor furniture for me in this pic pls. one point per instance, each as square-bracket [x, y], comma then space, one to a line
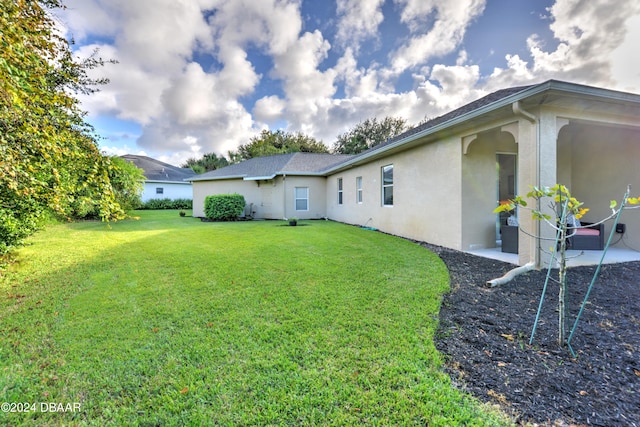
[590, 238]
[509, 236]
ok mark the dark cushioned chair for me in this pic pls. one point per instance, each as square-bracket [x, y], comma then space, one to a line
[509, 236]
[590, 238]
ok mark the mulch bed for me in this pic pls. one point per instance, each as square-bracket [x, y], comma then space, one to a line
[484, 334]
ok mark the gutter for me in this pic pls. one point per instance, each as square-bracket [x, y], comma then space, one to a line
[284, 196]
[259, 178]
[215, 178]
[156, 181]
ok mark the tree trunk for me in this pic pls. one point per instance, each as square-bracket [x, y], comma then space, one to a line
[562, 295]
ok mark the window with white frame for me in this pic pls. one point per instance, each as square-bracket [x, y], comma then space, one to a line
[339, 191]
[159, 190]
[359, 189]
[301, 195]
[387, 185]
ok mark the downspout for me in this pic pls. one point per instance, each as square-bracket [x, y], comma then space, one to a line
[518, 111]
[284, 196]
[511, 274]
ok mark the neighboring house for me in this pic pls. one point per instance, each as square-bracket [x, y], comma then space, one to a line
[163, 181]
[440, 181]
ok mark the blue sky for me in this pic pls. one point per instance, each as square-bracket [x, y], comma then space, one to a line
[201, 76]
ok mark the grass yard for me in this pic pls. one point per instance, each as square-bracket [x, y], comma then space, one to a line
[171, 321]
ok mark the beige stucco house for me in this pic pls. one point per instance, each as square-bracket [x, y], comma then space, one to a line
[440, 182]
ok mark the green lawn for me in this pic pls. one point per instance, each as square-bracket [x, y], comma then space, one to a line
[172, 321]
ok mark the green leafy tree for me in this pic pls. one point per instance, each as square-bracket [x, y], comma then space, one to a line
[234, 157]
[557, 206]
[208, 162]
[278, 142]
[368, 134]
[49, 158]
[127, 181]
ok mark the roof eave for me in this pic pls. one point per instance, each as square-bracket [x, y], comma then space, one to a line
[165, 181]
[578, 89]
[217, 178]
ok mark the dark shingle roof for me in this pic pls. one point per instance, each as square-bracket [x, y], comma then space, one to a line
[270, 166]
[155, 170]
[467, 108]
[313, 162]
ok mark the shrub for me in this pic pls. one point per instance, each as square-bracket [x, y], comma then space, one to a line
[16, 225]
[155, 204]
[166, 203]
[224, 207]
[182, 204]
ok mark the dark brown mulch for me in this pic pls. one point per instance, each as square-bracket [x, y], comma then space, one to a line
[484, 334]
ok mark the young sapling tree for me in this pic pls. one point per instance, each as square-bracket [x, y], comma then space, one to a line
[567, 211]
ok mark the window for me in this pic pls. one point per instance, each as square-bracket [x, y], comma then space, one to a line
[359, 189]
[387, 185]
[301, 195]
[159, 190]
[339, 191]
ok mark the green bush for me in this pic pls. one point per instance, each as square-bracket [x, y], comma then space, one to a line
[166, 203]
[224, 207]
[182, 204]
[15, 226]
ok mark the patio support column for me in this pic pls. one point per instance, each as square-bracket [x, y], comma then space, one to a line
[528, 152]
[547, 162]
[537, 138]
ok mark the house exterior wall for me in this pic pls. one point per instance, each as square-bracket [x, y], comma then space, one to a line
[253, 191]
[604, 161]
[479, 187]
[272, 199]
[317, 206]
[426, 194]
[170, 190]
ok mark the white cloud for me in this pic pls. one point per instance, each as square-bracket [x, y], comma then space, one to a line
[307, 88]
[450, 23]
[357, 21]
[625, 59]
[358, 81]
[88, 16]
[157, 84]
[188, 108]
[269, 109]
[596, 41]
[271, 23]
[458, 85]
[121, 151]
[132, 93]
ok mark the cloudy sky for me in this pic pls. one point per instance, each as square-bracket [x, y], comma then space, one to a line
[201, 76]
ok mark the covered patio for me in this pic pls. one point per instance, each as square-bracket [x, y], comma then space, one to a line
[587, 139]
[575, 257]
